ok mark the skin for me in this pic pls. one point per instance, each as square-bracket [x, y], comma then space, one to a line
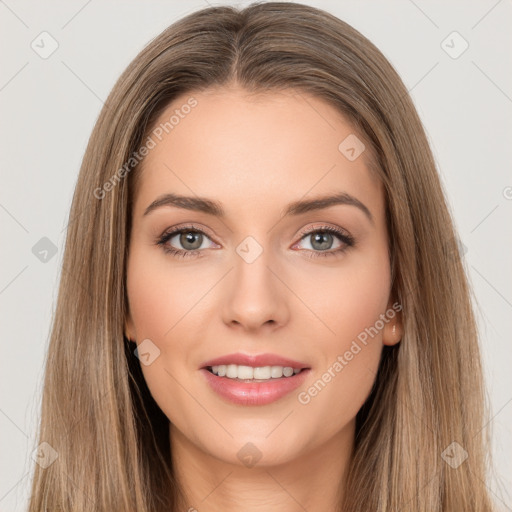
[255, 154]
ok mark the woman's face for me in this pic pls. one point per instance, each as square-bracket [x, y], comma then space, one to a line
[307, 282]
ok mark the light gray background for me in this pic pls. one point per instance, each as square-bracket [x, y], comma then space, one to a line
[49, 106]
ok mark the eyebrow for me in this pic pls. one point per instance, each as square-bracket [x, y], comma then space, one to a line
[211, 207]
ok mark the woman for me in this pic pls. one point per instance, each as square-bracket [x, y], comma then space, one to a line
[262, 303]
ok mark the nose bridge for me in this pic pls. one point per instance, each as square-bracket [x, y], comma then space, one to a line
[256, 296]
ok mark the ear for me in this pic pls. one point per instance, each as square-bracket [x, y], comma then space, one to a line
[393, 329]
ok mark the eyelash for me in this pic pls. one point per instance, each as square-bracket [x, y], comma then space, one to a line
[179, 253]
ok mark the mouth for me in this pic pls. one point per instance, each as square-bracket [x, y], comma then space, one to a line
[245, 385]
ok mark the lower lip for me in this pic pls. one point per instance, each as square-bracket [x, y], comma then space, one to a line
[254, 393]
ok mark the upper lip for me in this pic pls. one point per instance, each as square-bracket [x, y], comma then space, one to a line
[256, 360]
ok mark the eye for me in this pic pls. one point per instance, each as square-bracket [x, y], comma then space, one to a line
[189, 241]
[327, 241]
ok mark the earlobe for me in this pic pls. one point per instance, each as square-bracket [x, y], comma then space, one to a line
[392, 333]
[393, 329]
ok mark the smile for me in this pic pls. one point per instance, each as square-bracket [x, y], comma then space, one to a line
[262, 390]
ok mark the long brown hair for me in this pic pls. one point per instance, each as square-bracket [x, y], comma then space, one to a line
[97, 413]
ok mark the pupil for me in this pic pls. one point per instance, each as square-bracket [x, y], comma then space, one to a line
[322, 239]
[191, 237]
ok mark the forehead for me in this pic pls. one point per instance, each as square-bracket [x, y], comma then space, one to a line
[253, 151]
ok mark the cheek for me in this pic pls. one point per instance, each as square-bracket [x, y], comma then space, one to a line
[151, 301]
[161, 295]
[349, 302]
[346, 299]
[168, 305]
[159, 299]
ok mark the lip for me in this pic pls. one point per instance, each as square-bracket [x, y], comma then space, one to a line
[254, 393]
[256, 360]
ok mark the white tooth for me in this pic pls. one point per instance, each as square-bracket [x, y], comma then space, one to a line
[242, 372]
[262, 372]
[287, 371]
[245, 372]
[276, 372]
[232, 371]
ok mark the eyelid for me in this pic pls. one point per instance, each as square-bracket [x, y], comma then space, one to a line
[325, 227]
[174, 230]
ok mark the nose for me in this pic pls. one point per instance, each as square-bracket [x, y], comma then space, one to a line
[255, 298]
